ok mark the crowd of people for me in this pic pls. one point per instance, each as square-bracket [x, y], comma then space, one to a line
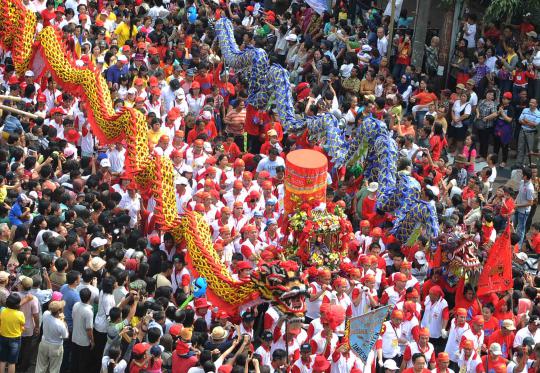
[89, 281]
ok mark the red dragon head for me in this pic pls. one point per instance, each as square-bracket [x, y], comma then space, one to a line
[464, 256]
[281, 284]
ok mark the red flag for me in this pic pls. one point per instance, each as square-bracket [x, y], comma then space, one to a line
[497, 273]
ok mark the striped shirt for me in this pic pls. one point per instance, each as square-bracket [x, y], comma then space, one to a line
[531, 116]
[235, 122]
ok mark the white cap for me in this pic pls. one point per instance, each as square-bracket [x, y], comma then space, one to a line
[122, 58]
[495, 348]
[181, 181]
[132, 91]
[434, 189]
[29, 73]
[188, 169]
[291, 37]
[79, 63]
[129, 253]
[522, 256]
[100, 59]
[207, 147]
[366, 48]
[390, 364]
[105, 162]
[98, 241]
[373, 186]
[206, 115]
[420, 257]
[179, 93]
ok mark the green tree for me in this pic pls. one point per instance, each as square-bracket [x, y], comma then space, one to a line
[504, 9]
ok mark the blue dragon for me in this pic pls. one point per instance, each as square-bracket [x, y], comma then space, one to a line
[398, 191]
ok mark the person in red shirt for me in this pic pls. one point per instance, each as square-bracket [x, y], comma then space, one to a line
[48, 13]
[419, 364]
[231, 149]
[504, 337]
[436, 279]
[271, 142]
[491, 324]
[465, 298]
[493, 358]
[205, 79]
[368, 204]
[534, 238]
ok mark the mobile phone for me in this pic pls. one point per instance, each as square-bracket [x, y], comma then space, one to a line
[32, 153]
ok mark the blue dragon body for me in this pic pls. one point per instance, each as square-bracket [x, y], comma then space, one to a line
[398, 193]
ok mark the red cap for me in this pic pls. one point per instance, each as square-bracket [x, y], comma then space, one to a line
[400, 277]
[238, 162]
[478, 320]
[140, 348]
[138, 81]
[152, 50]
[222, 315]
[423, 332]
[175, 330]
[155, 240]
[243, 264]
[443, 357]
[126, 48]
[398, 314]
[250, 8]
[376, 232]
[72, 135]
[461, 312]
[507, 95]
[364, 224]
[201, 303]
[264, 174]
[467, 344]
[153, 81]
[406, 265]
[195, 85]
[60, 9]
[141, 44]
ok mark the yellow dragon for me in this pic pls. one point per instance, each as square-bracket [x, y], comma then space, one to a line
[44, 51]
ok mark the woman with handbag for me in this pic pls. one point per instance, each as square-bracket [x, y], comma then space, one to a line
[486, 112]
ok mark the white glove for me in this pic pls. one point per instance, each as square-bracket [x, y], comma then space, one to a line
[444, 333]
[381, 363]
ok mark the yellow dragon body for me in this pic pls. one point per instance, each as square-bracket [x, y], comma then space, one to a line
[44, 51]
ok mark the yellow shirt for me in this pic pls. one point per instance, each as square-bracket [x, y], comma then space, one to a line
[153, 137]
[122, 30]
[11, 323]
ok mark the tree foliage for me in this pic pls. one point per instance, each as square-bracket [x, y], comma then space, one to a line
[501, 10]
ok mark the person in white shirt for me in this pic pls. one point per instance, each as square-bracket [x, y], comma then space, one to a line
[469, 31]
[55, 330]
[382, 42]
[531, 330]
[131, 201]
[271, 162]
[82, 337]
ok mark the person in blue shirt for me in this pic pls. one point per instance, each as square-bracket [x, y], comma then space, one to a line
[70, 295]
[529, 120]
[118, 69]
[20, 213]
